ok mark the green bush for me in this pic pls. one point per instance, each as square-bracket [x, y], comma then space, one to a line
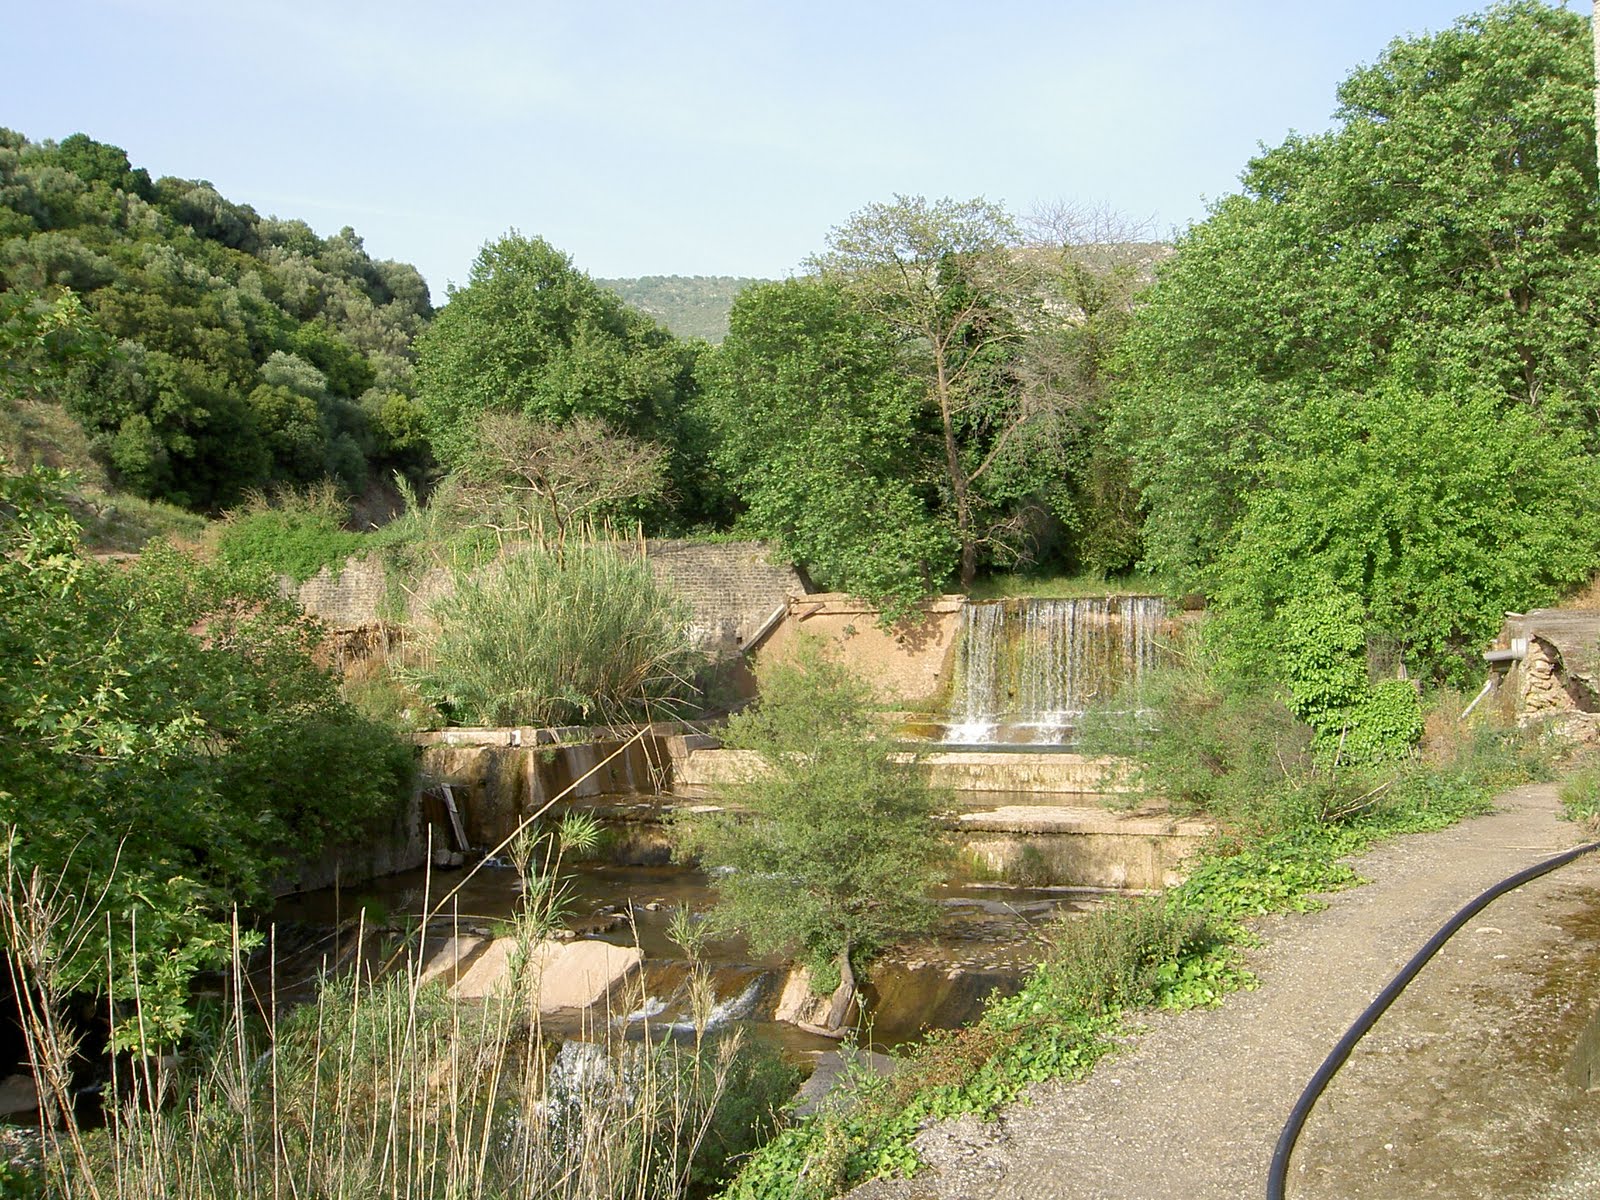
[173, 746]
[1386, 724]
[1580, 795]
[541, 639]
[1116, 956]
[292, 533]
[1204, 743]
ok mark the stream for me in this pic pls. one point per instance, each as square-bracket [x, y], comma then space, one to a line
[987, 936]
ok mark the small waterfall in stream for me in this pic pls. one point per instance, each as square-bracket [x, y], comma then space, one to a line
[1027, 669]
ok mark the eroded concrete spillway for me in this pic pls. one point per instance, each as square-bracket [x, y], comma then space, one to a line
[1028, 817]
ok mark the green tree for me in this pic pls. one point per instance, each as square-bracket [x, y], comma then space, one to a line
[167, 747]
[819, 434]
[830, 846]
[1437, 510]
[1446, 224]
[532, 334]
[948, 279]
[198, 299]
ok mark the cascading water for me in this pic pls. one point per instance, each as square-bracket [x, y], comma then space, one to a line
[1029, 668]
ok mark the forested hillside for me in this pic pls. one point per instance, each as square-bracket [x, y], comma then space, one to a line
[692, 306]
[230, 351]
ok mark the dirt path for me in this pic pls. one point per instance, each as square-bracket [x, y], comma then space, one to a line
[1194, 1107]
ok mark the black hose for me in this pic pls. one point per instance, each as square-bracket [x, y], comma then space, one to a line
[1279, 1171]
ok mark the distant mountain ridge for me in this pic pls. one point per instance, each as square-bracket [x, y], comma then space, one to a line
[691, 306]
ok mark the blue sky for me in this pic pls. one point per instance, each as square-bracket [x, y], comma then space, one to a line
[687, 137]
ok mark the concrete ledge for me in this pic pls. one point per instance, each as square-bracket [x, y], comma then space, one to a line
[1070, 819]
[957, 770]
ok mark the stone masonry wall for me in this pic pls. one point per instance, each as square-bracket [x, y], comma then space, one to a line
[732, 588]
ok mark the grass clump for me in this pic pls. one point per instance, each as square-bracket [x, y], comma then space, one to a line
[293, 533]
[1580, 795]
[545, 639]
[382, 1086]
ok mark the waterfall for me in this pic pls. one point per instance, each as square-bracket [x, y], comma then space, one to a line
[1027, 669]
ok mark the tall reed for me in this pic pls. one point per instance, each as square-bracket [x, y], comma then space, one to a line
[382, 1087]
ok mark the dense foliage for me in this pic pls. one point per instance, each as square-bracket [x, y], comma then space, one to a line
[828, 852]
[930, 400]
[244, 350]
[1373, 369]
[532, 334]
[167, 738]
[821, 438]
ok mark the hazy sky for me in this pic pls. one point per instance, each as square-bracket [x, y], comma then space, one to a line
[684, 137]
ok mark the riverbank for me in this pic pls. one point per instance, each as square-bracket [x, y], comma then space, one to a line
[1194, 1104]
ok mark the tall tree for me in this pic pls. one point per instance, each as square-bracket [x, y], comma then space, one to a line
[832, 845]
[947, 277]
[532, 334]
[1374, 368]
[1447, 224]
[819, 433]
[528, 478]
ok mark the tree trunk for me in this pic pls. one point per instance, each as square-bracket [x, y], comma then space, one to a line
[839, 1007]
[1594, 36]
[958, 477]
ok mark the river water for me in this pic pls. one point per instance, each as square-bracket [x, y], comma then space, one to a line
[986, 937]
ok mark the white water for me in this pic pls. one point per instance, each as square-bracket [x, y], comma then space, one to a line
[721, 1012]
[1028, 669]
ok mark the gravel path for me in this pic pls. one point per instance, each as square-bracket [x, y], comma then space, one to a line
[1193, 1108]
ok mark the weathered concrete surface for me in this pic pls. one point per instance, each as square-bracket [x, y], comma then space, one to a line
[399, 844]
[1087, 847]
[732, 589]
[959, 771]
[984, 771]
[1556, 677]
[835, 1067]
[568, 975]
[1194, 1106]
[908, 665]
[446, 957]
[499, 777]
[799, 1005]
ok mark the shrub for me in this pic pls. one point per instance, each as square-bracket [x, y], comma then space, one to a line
[1580, 795]
[1116, 956]
[542, 639]
[831, 844]
[291, 533]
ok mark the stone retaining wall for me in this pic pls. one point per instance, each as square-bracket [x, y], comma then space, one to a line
[732, 588]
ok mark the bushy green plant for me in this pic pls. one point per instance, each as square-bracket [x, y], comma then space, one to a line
[1205, 741]
[1580, 795]
[1323, 657]
[541, 639]
[293, 533]
[1385, 724]
[1117, 956]
[171, 745]
[830, 843]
